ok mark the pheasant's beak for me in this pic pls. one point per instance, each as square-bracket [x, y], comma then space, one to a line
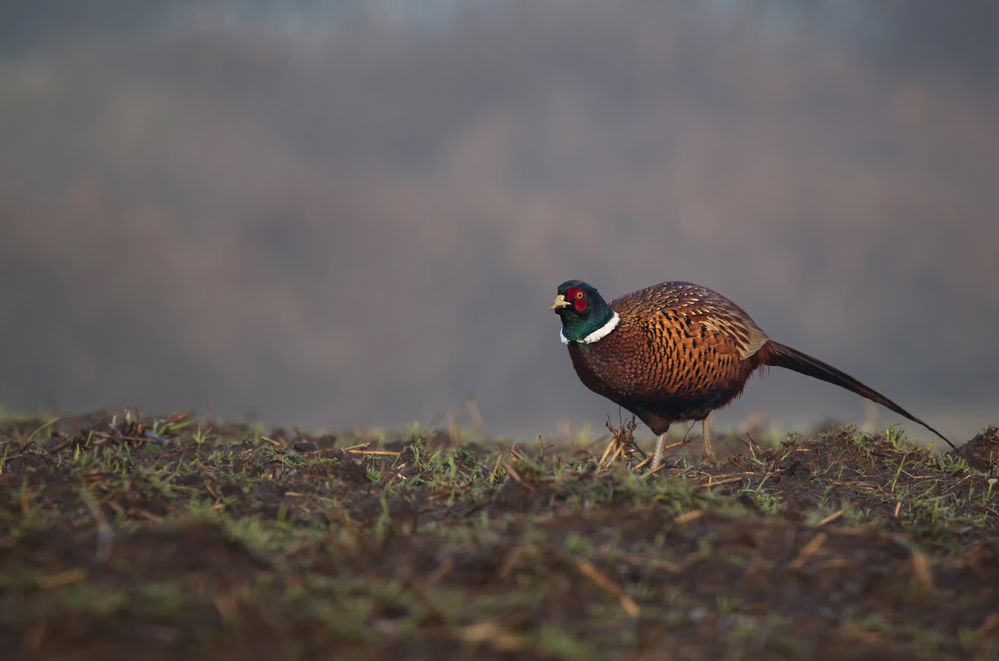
[560, 303]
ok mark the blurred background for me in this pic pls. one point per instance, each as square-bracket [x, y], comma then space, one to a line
[356, 213]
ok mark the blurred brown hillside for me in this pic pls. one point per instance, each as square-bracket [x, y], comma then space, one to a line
[358, 213]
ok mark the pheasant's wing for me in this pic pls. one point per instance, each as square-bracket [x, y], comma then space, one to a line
[713, 319]
[729, 324]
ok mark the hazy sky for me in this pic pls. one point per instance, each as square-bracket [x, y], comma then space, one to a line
[357, 213]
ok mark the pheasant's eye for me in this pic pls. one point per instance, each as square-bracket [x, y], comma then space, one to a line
[579, 295]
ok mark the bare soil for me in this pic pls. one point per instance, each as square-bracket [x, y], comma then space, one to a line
[135, 538]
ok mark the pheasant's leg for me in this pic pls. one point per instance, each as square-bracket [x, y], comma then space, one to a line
[657, 457]
[709, 452]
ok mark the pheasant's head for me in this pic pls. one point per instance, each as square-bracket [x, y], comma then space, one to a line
[585, 315]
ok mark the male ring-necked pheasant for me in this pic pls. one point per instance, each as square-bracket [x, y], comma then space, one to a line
[677, 351]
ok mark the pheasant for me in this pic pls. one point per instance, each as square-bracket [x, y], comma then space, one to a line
[677, 351]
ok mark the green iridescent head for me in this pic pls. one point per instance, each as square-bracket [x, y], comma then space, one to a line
[585, 315]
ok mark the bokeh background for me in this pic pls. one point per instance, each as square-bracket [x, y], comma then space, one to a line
[356, 213]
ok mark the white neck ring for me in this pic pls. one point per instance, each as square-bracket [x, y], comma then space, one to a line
[598, 334]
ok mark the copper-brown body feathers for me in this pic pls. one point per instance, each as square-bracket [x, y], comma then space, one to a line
[681, 351]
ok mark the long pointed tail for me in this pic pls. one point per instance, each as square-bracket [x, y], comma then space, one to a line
[780, 355]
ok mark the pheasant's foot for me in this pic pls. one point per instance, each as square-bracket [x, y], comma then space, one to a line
[660, 453]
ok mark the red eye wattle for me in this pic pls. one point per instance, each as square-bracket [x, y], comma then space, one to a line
[578, 298]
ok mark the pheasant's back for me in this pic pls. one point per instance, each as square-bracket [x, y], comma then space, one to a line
[680, 350]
